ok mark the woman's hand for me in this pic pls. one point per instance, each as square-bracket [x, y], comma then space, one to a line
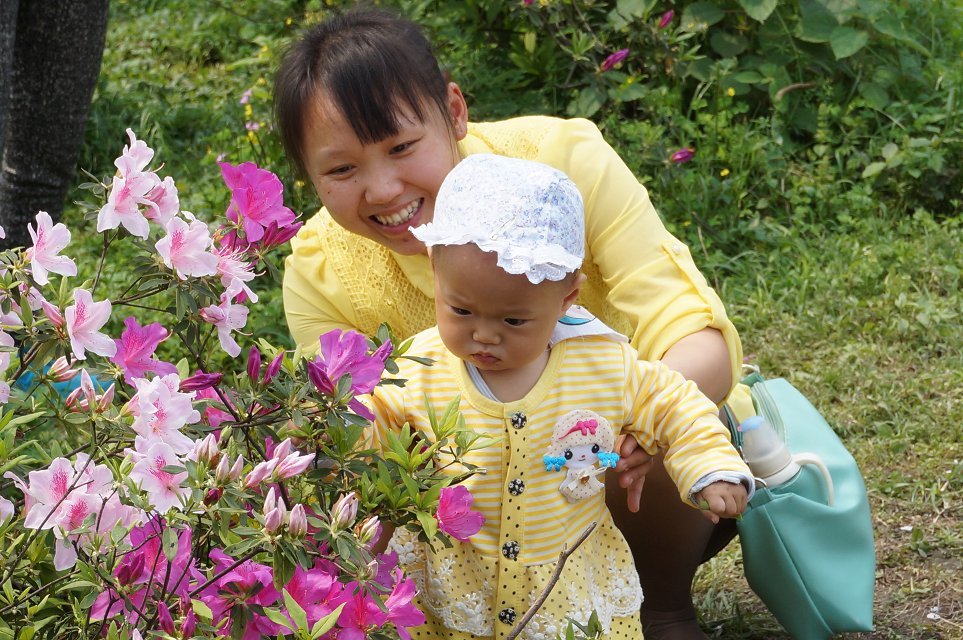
[632, 466]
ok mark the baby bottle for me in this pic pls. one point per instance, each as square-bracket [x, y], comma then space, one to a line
[770, 460]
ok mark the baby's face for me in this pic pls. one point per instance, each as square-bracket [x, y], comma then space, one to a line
[581, 456]
[493, 319]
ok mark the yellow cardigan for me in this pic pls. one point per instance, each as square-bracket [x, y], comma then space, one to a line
[641, 280]
[472, 587]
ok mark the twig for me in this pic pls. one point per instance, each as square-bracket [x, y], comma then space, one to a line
[562, 557]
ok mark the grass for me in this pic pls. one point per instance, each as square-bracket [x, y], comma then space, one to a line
[863, 315]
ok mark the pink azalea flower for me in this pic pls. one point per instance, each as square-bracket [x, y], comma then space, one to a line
[160, 411]
[185, 248]
[201, 381]
[132, 189]
[454, 514]
[346, 353]
[163, 488]
[682, 155]
[6, 510]
[135, 350]
[614, 59]
[257, 199]
[49, 239]
[6, 340]
[46, 489]
[666, 19]
[84, 319]
[74, 512]
[401, 612]
[226, 317]
[164, 196]
[361, 614]
[235, 272]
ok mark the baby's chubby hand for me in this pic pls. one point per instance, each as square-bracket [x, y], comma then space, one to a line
[722, 500]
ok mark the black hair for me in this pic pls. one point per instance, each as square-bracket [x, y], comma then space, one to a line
[371, 64]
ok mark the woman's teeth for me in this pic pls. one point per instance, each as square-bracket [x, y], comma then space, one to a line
[401, 217]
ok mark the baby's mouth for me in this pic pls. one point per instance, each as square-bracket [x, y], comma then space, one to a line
[402, 216]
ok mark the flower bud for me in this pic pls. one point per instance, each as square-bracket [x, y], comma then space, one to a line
[60, 370]
[273, 367]
[130, 571]
[87, 386]
[74, 401]
[6, 510]
[104, 401]
[222, 474]
[270, 500]
[682, 155]
[200, 381]
[207, 451]
[254, 364]
[666, 19]
[273, 520]
[370, 530]
[164, 619]
[212, 496]
[261, 472]
[298, 522]
[53, 314]
[344, 511]
[189, 625]
[236, 469]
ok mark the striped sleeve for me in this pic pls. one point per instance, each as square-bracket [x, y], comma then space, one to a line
[668, 413]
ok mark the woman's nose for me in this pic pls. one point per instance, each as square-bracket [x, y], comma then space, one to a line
[383, 187]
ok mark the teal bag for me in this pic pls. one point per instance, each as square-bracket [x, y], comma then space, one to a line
[812, 564]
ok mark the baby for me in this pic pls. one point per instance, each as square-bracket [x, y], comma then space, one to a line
[555, 386]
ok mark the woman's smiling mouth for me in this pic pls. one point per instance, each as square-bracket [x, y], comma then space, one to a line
[401, 217]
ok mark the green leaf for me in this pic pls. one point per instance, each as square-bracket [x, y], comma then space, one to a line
[875, 95]
[699, 16]
[845, 41]
[748, 77]
[169, 543]
[758, 10]
[816, 23]
[587, 103]
[727, 45]
[889, 151]
[873, 169]
[202, 609]
[278, 617]
[428, 523]
[325, 624]
[295, 611]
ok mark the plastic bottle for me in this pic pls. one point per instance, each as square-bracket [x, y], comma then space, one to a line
[770, 460]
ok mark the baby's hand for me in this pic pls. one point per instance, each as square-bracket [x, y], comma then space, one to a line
[722, 500]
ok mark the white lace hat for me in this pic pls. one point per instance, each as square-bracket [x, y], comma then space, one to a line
[528, 213]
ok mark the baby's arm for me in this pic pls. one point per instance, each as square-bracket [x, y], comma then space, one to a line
[722, 500]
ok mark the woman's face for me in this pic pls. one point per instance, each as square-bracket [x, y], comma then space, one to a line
[381, 190]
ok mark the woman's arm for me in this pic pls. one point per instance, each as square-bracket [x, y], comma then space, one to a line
[703, 357]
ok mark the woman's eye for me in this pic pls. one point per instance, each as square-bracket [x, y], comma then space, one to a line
[338, 171]
[514, 322]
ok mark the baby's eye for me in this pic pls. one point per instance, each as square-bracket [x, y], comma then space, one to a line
[595, 448]
[460, 312]
[401, 148]
[515, 322]
[568, 454]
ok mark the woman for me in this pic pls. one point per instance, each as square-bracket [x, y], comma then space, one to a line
[366, 115]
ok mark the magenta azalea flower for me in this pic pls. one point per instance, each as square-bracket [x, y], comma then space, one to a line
[249, 585]
[454, 514]
[614, 59]
[257, 199]
[317, 590]
[360, 615]
[84, 319]
[401, 612]
[49, 239]
[185, 248]
[346, 353]
[682, 155]
[136, 347]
